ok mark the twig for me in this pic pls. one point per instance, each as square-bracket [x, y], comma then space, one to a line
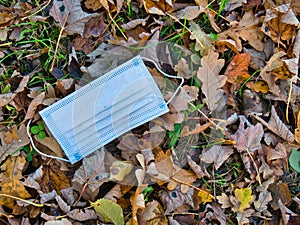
[255, 166]
[288, 102]
[23, 200]
[119, 28]
[32, 14]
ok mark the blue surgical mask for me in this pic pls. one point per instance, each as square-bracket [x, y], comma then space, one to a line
[104, 109]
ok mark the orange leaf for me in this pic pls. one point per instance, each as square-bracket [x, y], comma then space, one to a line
[259, 86]
[237, 70]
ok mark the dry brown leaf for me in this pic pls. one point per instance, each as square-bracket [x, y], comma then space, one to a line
[182, 69]
[242, 217]
[280, 23]
[258, 86]
[280, 192]
[203, 41]
[277, 126]
[64, 221]
[237, 70]
[189, 12]
[5, 18]
[198, 129]
[33, 106]
[224, 201]
[62, 204]
[175, 198]
[297, 130]
[158, 7]
[287, 214]
[82, 214]
[91, 172]
[10, 180]
[152, 214]
[263, 200]
[134, 23]
[212, 82]
[69, 14]
[213, 212]
[217, 155]
[248, 139]
[12, 140]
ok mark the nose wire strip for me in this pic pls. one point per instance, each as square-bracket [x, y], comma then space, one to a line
[66, 160]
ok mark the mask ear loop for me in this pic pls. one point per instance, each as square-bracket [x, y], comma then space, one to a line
[167, 75]
[66, 160]
[38, 151]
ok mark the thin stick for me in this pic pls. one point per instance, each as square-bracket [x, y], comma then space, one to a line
[288, 102]
[23, 200]
[255, 166]
[117, 26]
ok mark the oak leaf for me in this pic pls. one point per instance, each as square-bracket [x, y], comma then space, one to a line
[182, 69]
[158, 7]
[10, 180]
[277, 126]
[224, 200]
[242, 217]
[212, 82]
[243, 197]
[259, 86]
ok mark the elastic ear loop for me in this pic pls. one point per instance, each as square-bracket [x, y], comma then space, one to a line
[167, 75]
[66, 160]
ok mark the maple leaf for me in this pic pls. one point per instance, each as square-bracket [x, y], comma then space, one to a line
[10, 180]
[237, 70]
[217, 154]
[70, 16]
[212, 82]
[277, 126]
[242, 199]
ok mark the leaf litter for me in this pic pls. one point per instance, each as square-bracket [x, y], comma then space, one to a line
[227, 150]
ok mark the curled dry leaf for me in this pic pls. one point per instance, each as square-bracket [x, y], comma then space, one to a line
[280, 23]
[212, 82]
[33, 106]
[62, 204]
[182, 69]
[134, 23]
[277, 126]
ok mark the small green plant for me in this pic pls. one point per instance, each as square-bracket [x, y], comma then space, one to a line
[30, 152]
[147, 192]
[174, 135]
[39, 130]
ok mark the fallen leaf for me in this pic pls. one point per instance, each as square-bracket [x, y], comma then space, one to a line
[248, 139]
[82, 214]
[63, 221]
[175, 198]
[70, 16]
[258, 86]
[217, 155]
[62, 204]
[280, 191]
[109, 211]
[189, 12]
[92, 172]
[153, 213]
[294, 160]
[182, 69]
[134, 23]
[280, 23]
[237, 70]
[244, 198]
[158, 7]
[212, 82]
[277, 126]
[263, 199]
[5, 18]
[242, 217]
[224, 201]
[10, 180]
[120, 169]
[286, 213]
[203, 41]
[33, 106]
[12, 140]
[197, 130]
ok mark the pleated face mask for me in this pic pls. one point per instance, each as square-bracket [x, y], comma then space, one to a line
[104, 109]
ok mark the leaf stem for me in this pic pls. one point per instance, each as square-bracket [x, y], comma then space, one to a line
[23, 200]
[255, 166]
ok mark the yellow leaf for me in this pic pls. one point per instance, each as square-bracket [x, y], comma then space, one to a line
[119, 170]
[244, 198]
[10, 183]
[259, 86]
[205, 196]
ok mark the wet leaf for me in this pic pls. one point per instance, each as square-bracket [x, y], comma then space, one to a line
[212, 82]
[109, 211]
[10, 180]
